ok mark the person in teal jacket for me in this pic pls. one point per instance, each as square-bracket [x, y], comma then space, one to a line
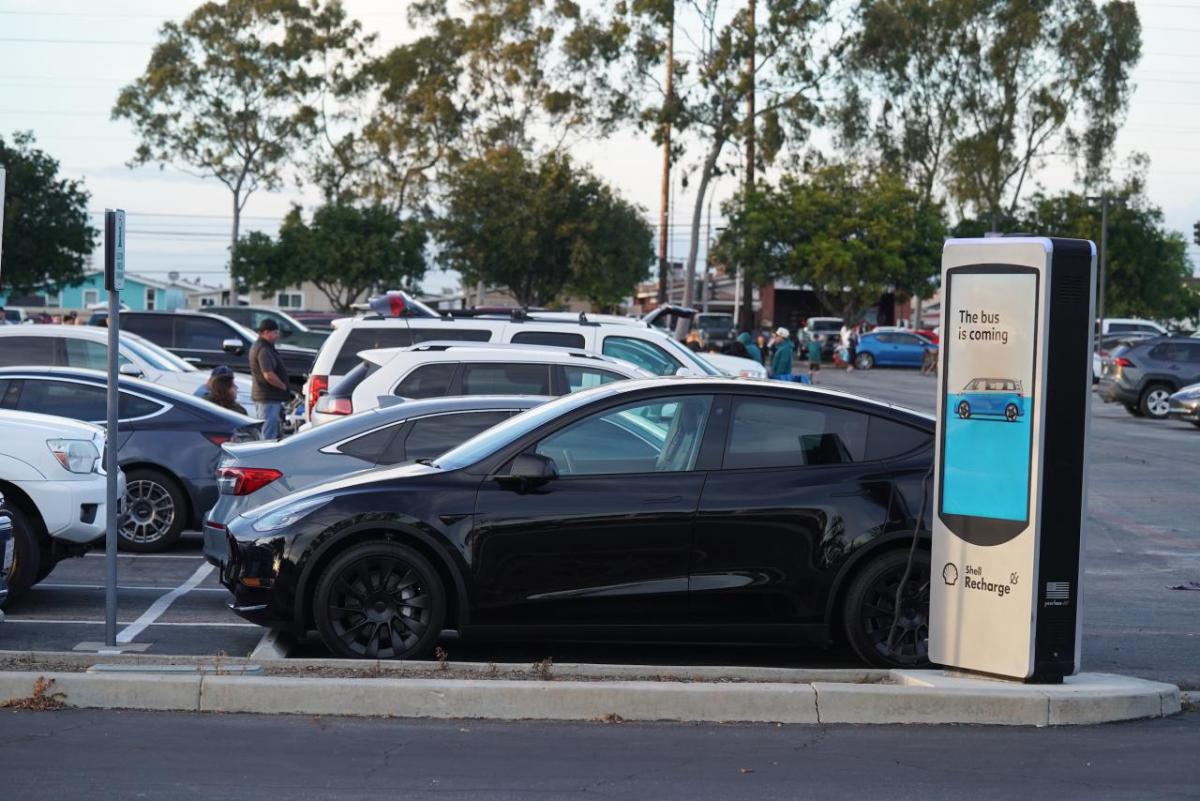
[752, 350]
[781, 364]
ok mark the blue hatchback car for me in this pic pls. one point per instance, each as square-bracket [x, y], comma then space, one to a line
[891, 349]
[991, 396]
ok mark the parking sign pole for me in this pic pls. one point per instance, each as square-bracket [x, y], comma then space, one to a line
[114, 281]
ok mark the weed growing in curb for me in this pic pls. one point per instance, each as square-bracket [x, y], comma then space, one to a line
[543, 668]
[42, 699]
[441, 654]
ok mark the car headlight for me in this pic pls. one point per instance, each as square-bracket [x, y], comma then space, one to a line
[75, 455]
[288, 514]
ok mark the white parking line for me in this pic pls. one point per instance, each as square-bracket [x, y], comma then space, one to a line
[60, 622]
[46, 586]
[162, 604]
[100, 555]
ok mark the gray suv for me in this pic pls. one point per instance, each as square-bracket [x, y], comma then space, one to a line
[1143, 375]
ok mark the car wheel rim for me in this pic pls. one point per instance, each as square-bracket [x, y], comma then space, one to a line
[380, 607]
[1158, 402]
[149, 512]
[910, 646]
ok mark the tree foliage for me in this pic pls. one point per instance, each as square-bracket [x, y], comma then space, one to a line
[972, 95]
[850, 236]
[228, 90]
[345, 251]
[542, 228]
[46, 233]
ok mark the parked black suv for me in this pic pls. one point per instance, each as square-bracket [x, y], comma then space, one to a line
[207, 340]
[291, 330]
[1143, 375]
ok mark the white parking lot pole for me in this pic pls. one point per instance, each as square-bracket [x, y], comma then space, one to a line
[114, 281]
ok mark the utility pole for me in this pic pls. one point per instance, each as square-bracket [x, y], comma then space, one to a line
[746, 321]
[1104, 201]
[664, 208]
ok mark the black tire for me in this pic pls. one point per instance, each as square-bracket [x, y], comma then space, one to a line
[155, 510]
[1010, 412]
[1154, 403]
[358, 608]
[28, 554]
[864, 361]
[964, 410]
[1133, 409]
[869, 605]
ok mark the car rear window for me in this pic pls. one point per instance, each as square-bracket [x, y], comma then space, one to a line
[22, 351]
[427, 381]
[433, 436]
[369, 338]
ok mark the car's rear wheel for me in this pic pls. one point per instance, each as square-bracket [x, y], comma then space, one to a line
[964, 410]
[380, 601]
[154, 512]
[869, 611]
[1010, 412]
[27, 554]
[1155, 401]
[864, 361]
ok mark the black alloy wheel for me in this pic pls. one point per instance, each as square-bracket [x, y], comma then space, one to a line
[380, 601]
[1010, 412]
[964, 410]
[870, 606]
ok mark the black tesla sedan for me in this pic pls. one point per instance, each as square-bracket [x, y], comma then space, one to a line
[168, 443]
[676, 508]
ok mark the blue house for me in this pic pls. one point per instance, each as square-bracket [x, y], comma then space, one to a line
[140, 294]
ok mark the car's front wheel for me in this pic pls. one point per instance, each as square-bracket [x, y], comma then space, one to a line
[27, 554]
[1156, 401]
[864, 361]
[1010, 412]
[964, 410]
[869, 611]
[380, 601]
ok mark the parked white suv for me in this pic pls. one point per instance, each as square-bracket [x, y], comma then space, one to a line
[392, 326]
[1130, 325]
[86, 346]
[441, 369]
[54, 486]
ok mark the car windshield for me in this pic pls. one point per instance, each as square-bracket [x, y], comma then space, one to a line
[159, 358]
[493, 439]
[680, 351]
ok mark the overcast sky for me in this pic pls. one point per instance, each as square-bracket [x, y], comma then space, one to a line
[63, 61]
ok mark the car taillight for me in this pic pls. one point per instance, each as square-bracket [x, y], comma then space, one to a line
[331, 405]
[317, 384]
[244, 480]
[218, 439]
[1121, 361]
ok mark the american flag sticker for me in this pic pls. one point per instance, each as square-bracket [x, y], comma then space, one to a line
[1058, 590]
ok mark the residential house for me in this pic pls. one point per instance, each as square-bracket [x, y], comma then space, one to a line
[141, 293]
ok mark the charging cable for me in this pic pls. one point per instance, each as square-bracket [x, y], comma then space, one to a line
[912, 552]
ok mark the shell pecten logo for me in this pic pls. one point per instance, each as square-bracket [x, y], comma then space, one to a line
[950, 574]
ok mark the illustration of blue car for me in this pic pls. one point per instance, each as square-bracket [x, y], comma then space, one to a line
[991, 396]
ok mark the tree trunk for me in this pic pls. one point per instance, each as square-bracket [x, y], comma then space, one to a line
[689, 273]
[233, 240]
[746, 313]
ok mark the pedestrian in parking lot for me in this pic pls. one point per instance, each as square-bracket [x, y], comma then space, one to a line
[221, 390]
[781, 362]
[694, 341]
[270, 376]
[752, 350]
[814, 359]
[851, 348]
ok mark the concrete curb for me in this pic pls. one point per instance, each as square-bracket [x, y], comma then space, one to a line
[914, 697]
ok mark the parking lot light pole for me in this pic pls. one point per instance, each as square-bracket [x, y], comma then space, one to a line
[1104, 201]
[114, 281]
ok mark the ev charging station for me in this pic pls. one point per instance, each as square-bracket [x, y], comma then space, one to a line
[1014, 393]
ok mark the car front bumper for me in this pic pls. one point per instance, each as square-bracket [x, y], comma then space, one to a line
[250, 569]
[73, 510]
[1187, 410]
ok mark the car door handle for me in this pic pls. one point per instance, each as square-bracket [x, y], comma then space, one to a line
[664, 499]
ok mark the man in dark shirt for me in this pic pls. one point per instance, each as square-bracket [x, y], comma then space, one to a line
[270, 390]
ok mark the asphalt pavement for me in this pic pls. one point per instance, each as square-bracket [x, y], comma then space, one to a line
[98, 755]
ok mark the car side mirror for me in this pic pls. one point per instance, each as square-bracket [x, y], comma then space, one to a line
[529, 471]
[130, 370]
[683, 371]
[233, 346]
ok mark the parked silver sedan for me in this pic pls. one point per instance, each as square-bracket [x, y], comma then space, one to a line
[252, 474]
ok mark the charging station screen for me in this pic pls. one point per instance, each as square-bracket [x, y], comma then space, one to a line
[988, 331]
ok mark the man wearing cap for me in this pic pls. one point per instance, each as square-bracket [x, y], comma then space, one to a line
[781, 362]
[270, 376]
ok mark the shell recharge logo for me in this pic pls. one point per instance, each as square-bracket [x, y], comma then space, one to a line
[974, 580]
[950, 574]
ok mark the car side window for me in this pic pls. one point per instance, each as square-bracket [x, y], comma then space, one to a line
[885, 339]
[371, 447]
[158, 328]
[1191, 353]
[587, 377]
[201, 334]
[767, 432]
[506, 379]
[905, 339]
[89, 355]
[659, 437]
[368, 338]
[427, 381]
[646, 355]
[554, 339]
[887, 439]
[23, 351]
[131, 406]
[64, 399]
[432, 436]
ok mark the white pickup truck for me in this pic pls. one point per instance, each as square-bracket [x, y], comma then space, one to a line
[54, 486]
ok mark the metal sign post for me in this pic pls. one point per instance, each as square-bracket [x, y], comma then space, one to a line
[114, 282]
[2, 177]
